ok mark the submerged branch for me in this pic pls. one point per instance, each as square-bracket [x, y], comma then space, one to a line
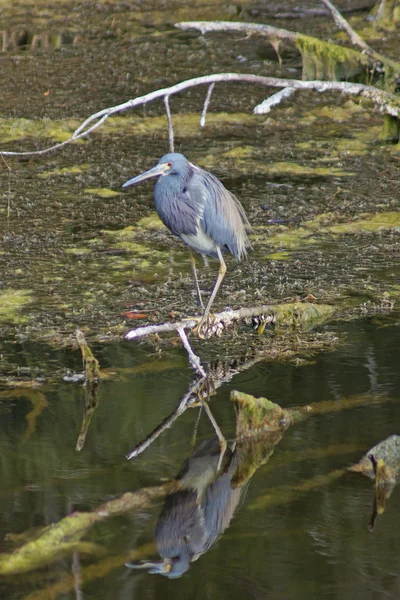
[64, 537]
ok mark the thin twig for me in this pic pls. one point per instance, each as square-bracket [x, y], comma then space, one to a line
[206, 104]
[185, 402]
[193, 358]
[345, 25]
[170, 127]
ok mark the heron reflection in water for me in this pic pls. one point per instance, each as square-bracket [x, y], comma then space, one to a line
[197, 208]
[197, 511]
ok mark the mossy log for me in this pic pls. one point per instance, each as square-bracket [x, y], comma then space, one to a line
[64, 537]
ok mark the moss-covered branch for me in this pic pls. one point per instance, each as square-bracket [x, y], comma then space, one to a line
[64, 537]
[321, 60]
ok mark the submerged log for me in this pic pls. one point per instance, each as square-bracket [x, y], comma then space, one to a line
[62, 538]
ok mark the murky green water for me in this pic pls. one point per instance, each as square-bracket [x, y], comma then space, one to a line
[299, 531]
[76, 252]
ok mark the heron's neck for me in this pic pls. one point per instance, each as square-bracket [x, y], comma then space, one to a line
[173, 184]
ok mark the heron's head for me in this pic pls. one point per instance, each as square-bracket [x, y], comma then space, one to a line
[169, 567]
[169, 164]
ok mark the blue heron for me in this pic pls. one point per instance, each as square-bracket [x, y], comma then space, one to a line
[197, 512]
[197, 208]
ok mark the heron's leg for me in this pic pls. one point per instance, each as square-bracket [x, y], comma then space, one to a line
[221, 275]
[222, 441]
[196, 426]
[196, 281]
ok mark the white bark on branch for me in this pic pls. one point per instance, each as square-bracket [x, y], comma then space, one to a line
[345, 25]
[275, 33]
[386, 102]
[219, 322]
[266, 105]
[193, 358]
[207, 26]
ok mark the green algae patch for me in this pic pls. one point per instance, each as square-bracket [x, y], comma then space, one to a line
[184, 124]
[385, 220]
[340, 114]
[11, 304]
[152, 221]
[102, 192]
[73, 170]
[12, 130]
[240, 152]
[288, 238]
[294, 168]
[278, 256]
[291, 239]
[354, 147]
[77, 251]
[126, 239]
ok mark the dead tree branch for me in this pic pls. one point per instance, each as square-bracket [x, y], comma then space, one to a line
[276, 33]
[193, 358]
[220, 321]
[345, 25]
[386, 102]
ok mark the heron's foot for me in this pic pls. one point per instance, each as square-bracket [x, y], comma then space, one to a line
[204, 326]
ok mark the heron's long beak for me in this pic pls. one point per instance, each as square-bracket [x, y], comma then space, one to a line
[161, 567]
[160, 169]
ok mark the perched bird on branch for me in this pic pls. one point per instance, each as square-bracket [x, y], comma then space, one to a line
[197, 208]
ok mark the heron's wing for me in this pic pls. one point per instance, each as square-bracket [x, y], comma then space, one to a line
[177, 208]
[222, 217]
[180, 526]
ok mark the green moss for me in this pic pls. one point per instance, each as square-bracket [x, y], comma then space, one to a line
[297, 169]
[278, 256]
[64, 171]
[291, 239]
[126, 239]
[390, 131]
[102, 192]
[77, 251]
[152, 221]
[301, 314]
[240, 152]
[12, 130]
[11, 304]
[331, 62]
[286, 237]
[386, 220]
[185, 124]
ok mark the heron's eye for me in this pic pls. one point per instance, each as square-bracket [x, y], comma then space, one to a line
[169, 164]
